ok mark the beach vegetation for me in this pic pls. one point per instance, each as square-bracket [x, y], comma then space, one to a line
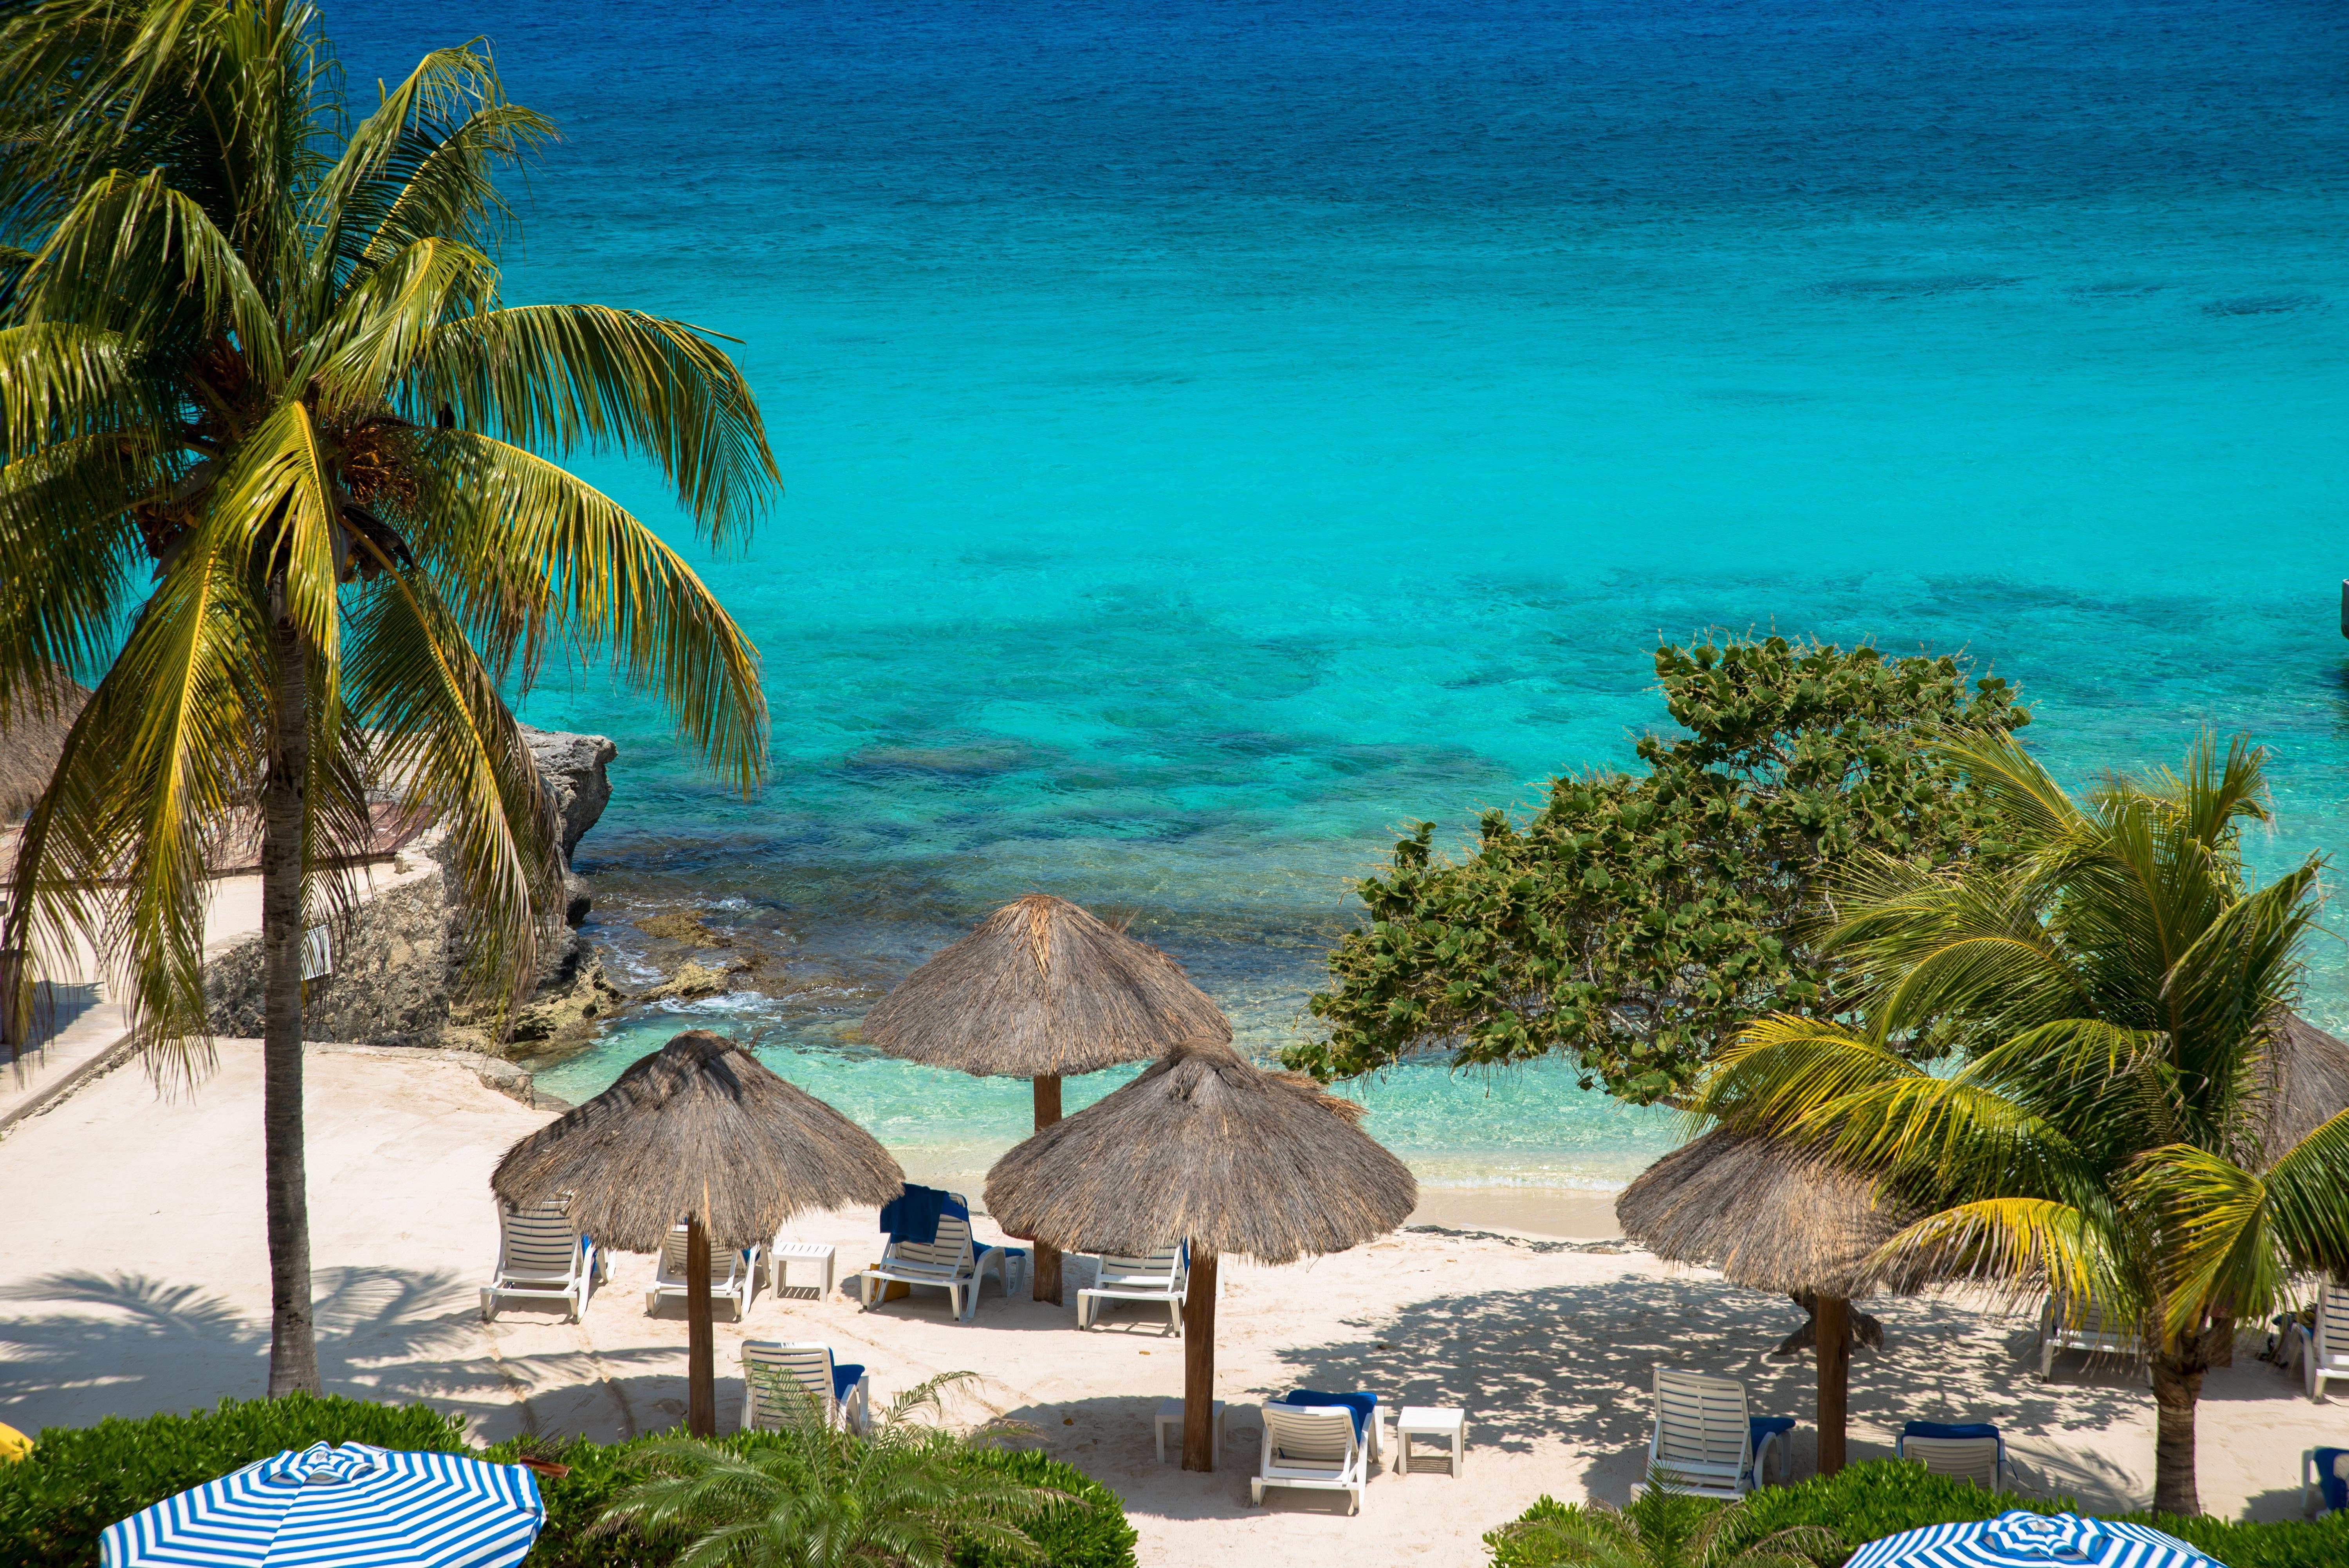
[283, 475]
[1660, 1528]
[1871, 1501]
[2124, 1132]
[55, 1505]
[1638, 919]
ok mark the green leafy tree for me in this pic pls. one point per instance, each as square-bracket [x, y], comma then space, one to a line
[2114, 1135]
[1635, 923]
[1661, 1529]
[904, 1494]
[277, 463]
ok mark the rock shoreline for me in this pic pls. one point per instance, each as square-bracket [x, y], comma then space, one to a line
[397, 960]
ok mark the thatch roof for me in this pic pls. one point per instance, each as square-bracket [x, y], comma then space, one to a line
[1039, 989]
[1208, 1149]
[31, 741]
[2308, 1082]
[1766, 1214]
[698, 1129]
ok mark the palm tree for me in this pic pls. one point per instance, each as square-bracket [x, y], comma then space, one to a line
[816, 1496]
[256, 355]
[2110, 1136]
[1662, 1528]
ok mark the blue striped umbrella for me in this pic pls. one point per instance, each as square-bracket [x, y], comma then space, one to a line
[2020, 1539]
[353, 1505]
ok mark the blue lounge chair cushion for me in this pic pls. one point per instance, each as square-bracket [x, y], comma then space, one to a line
[1946, 1429]
[2335, 1491]
[1768, 1427]
[844, 1377]
[914, 1214]
[1359, 1406]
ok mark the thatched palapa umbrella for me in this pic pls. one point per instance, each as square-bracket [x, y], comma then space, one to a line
[1208, 1149]
[700, 1131]
[31, 740]
[1042, 990]
[1775, 1217]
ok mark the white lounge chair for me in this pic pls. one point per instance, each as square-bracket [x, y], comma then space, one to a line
[1707, 1443]
[1163, 1276]
[1972, 1453]
[843, 1392]
[1313, 1446]
[2321, 1350]
[2089, 1333]
[541, 1257]
[951, 1262]
[733, 1276]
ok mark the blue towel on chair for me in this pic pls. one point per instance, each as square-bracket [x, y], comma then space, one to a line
[1761, 1427]
[1358, 1405]
[2331, 1487]
[1944, 1429]
[843, 1379]
[914, 1214]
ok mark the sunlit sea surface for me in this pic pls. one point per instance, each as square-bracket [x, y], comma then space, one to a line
[1218, 433]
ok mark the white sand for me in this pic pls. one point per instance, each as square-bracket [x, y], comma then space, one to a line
[134, 1271]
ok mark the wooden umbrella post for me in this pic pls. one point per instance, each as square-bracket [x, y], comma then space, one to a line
[1833, 1333]
[1199, 1364]
[1047, 1276]
[700, 1370]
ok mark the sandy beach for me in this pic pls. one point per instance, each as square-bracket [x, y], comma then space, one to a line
[133, 1270]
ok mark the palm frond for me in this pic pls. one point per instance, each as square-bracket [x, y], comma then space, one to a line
[66, 553]
[2307, 1197]
[2221, 1257]
[2019, 1247]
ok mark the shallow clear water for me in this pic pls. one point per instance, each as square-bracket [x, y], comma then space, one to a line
[1219, 435]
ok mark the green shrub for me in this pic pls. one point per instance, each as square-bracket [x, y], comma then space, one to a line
[54, 1504]
[1090, 1533]
[1884, 1497]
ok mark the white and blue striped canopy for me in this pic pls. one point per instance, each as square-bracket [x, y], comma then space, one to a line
[2023, 1540]
[353, 1505]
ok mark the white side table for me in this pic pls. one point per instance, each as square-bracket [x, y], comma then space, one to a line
[1449, 1427]
[789, 1252]
[1170, 1414]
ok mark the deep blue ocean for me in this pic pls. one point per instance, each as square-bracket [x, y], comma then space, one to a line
[1216, 433]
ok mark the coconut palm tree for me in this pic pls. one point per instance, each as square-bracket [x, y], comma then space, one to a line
[816, 1496]
[2112, 1135]
[282, 464]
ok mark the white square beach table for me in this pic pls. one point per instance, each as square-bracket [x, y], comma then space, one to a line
[786, 1253]
[1451, 1426]
[1170, 1414]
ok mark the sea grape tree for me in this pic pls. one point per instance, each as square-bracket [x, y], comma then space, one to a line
[1637, 921]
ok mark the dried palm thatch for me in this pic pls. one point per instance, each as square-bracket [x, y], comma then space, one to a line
[2307, 1082]
[1206, 1147]
[1040, 989]
[32, 739]
[698, 1130]
[1768, 1214]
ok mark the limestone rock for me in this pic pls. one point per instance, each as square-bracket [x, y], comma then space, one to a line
[572, 769]
[690, 981]
[677, 926]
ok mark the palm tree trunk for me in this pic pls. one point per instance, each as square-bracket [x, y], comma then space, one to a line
[2177, 1385]
[1199, 1364]
[1046, 1278]
[701, 1346]
[284, 807]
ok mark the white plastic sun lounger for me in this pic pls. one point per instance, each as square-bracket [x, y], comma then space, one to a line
[1312, 1447]
[1706, 1442]
[1164, 1277]
[2323, 1350]
[844, 1393]
[1973, 1451]
[733, 1276]
[2090, 1333]
[951, 1262]
[541, 1257]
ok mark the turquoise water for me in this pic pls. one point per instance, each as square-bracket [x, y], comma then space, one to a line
[1218, 436]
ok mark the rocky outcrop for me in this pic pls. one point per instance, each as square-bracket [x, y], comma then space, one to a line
[572, 767]
[398, 959]
[690, 981]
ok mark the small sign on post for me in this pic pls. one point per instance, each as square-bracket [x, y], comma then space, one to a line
[317, 954]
